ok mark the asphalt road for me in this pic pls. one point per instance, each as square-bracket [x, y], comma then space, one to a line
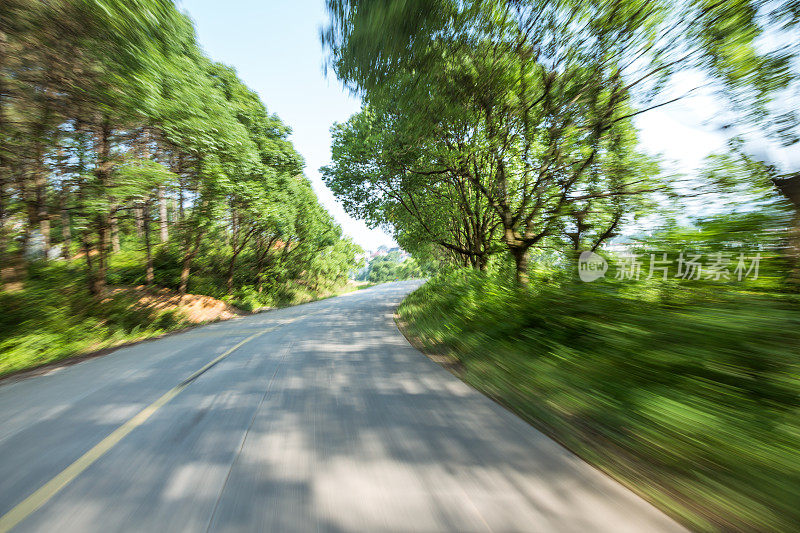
[327, 421]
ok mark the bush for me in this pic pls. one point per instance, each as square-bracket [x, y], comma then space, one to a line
[247, 298]
[55, 317]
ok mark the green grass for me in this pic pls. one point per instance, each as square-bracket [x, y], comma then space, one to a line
[686, 393]
[55, 317]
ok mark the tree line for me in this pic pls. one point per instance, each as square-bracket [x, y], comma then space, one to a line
[117, 134]
[393, 266]
[498, 128]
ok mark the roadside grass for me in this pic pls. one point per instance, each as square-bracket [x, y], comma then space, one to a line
[301, 295]
[54, 317]
[688, 394]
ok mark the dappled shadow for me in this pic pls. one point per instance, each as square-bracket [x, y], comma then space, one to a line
[336, 424]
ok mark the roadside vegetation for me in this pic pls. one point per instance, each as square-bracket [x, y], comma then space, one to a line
[128, 158]
[54, 316]
[392, 267]
[685, 389]
[689, 395]
[645, 318]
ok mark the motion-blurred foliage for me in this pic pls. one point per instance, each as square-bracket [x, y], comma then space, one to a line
[125, 149]
[501, 136]
[689, 394]
[54, 317]
[391, 267]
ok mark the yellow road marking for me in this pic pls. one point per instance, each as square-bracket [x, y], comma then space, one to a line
[27, 506]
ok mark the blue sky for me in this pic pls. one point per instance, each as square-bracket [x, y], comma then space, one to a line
[275, 48]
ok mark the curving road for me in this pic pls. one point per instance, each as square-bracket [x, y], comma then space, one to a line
[319, 417]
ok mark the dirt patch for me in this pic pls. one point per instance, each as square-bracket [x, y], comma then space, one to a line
[195, 308]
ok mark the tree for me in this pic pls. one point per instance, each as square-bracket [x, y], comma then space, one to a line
[391, 177]
[533, 100]
[114, 124]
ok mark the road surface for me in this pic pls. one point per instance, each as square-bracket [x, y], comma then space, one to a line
[319, 417]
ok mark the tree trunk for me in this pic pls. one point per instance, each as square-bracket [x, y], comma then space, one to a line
[234, 228]
[66, 233]
[24, 194]
[114, 225]
[103, 173]
[137, 221]
[185, 269]
[180, 200]
[237, 249]
[42, 214]
[521, 264]
[789, 187]
[88, 256]
[231, 266]
[95, 283]
[162, 213]
[5, 175]
[188, 257]
[482, 263]
[44, 229]
[5, 261]
[3, 214]
[102, 251]
[793, 249]
[149, 276]
[177, 169]
[260, 263]
[282, 260]
[143, 149]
